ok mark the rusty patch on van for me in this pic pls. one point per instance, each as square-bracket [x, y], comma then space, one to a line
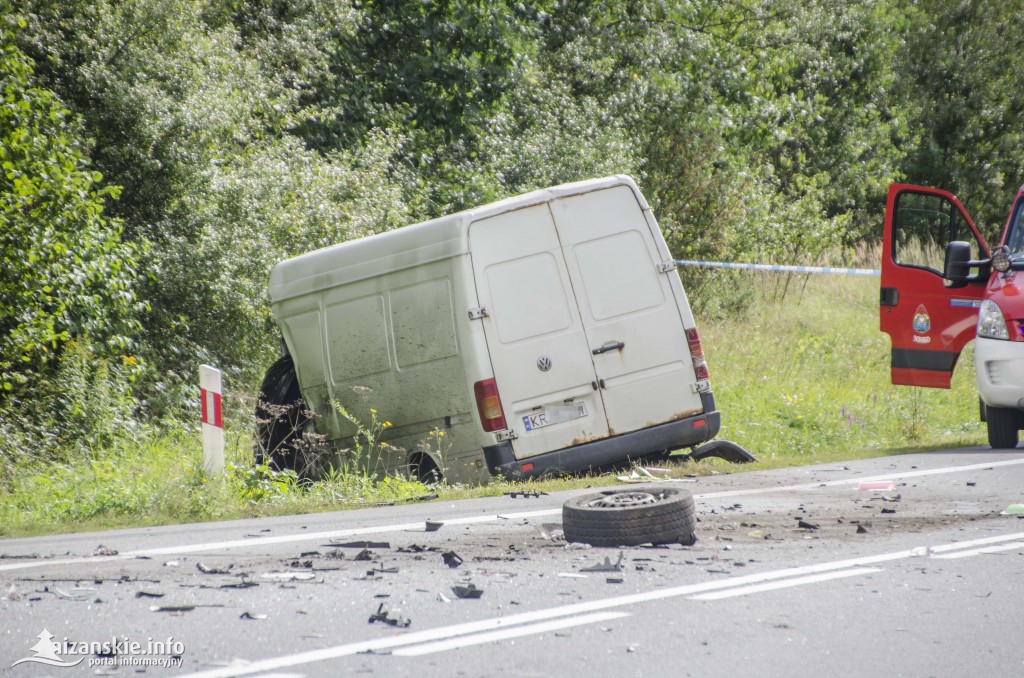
[588, 439]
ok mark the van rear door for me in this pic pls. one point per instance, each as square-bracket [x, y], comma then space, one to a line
[630, 316]
[584, 332]
[539, 351]
[928, 321]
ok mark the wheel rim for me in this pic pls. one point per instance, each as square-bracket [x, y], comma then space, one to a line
[624, 500]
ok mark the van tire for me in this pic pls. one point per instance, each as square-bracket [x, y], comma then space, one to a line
[629, 516]
[281, 417]
[1003, 427]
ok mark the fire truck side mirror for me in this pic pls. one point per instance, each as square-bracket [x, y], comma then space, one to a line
[958, 264]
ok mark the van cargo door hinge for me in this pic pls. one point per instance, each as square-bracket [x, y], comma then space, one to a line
[506, 434]
[478, 313]
[666, 266]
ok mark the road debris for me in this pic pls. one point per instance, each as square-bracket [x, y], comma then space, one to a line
[382, 616]
[250, 615]
[451, 559]
[363, 555]
[467, 591]
[526, 494]
[206, 569]
[433, 525]
[607, 565]
[360, 545]
[1013, 510]
[102, 550]
[804, 525]
[288, 575]
[639, 474]
[173, 609]
[552, 531]
[877, 486]
[148, 594]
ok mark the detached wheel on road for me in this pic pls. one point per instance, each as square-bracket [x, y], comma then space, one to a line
[281, 419]
[629, 516]
[1003, 427]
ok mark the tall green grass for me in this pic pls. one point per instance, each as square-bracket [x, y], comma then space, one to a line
[799, 369]
[803, 371]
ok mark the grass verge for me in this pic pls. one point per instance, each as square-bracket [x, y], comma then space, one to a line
[800, 374]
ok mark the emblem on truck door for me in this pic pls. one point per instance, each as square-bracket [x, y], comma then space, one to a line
[543, 363]
[922, 323]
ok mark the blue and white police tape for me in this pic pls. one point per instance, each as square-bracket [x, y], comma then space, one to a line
[781, 269]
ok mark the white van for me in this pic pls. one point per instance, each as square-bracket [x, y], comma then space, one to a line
[544, 333]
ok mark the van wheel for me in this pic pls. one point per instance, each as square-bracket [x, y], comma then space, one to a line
[281, 417]
[629, 516]
[1003, 427]
[424, 469]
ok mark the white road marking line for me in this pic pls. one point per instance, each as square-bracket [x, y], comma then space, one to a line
[516, 632]
[787, 583]
[895, 475]
[976, 542]
[981, 551]
[835, 569]
[385, 529]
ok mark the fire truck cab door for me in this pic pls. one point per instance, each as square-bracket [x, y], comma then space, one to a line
[928, 319]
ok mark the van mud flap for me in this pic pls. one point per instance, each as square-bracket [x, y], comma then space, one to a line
[723, 449]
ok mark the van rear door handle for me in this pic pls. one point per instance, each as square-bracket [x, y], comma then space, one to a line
[609, 346]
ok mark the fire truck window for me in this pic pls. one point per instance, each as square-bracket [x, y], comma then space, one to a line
[922, 226]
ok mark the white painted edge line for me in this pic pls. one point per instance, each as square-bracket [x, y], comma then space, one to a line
[401, 527]
[787, 583]
[981, 551]
[976, 542]
[895, 475]
[519, 631]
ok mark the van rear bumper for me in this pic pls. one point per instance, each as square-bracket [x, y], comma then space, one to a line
[673, 435]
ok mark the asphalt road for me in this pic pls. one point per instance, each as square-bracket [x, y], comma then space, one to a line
[920, 576]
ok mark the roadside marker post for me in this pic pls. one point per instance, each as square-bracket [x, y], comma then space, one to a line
[213, 419]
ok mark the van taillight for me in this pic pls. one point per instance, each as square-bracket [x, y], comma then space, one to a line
[700, 366]
[489, 405]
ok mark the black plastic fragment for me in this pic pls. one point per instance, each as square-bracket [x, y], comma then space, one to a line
[526, 493]
[451, 559]
[360, 545]
[382, 616]
[467, 591]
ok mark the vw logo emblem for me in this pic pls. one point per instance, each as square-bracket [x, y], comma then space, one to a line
[543, 363]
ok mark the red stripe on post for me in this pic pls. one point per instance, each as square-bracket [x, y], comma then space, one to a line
[212, 412]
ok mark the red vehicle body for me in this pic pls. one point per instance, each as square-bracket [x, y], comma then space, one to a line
[942, 287]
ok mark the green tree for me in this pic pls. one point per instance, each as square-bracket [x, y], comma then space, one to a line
[64, 270]
[961, 61]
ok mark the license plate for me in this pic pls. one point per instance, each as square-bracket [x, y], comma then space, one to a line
[554, 415]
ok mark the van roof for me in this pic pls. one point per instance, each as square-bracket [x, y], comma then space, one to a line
[410, 246]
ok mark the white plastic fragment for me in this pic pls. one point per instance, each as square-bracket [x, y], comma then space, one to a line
[877, 486]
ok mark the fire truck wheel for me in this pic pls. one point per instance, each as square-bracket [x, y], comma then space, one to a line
[629, 516]
[1003, 427]
[281, 418]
